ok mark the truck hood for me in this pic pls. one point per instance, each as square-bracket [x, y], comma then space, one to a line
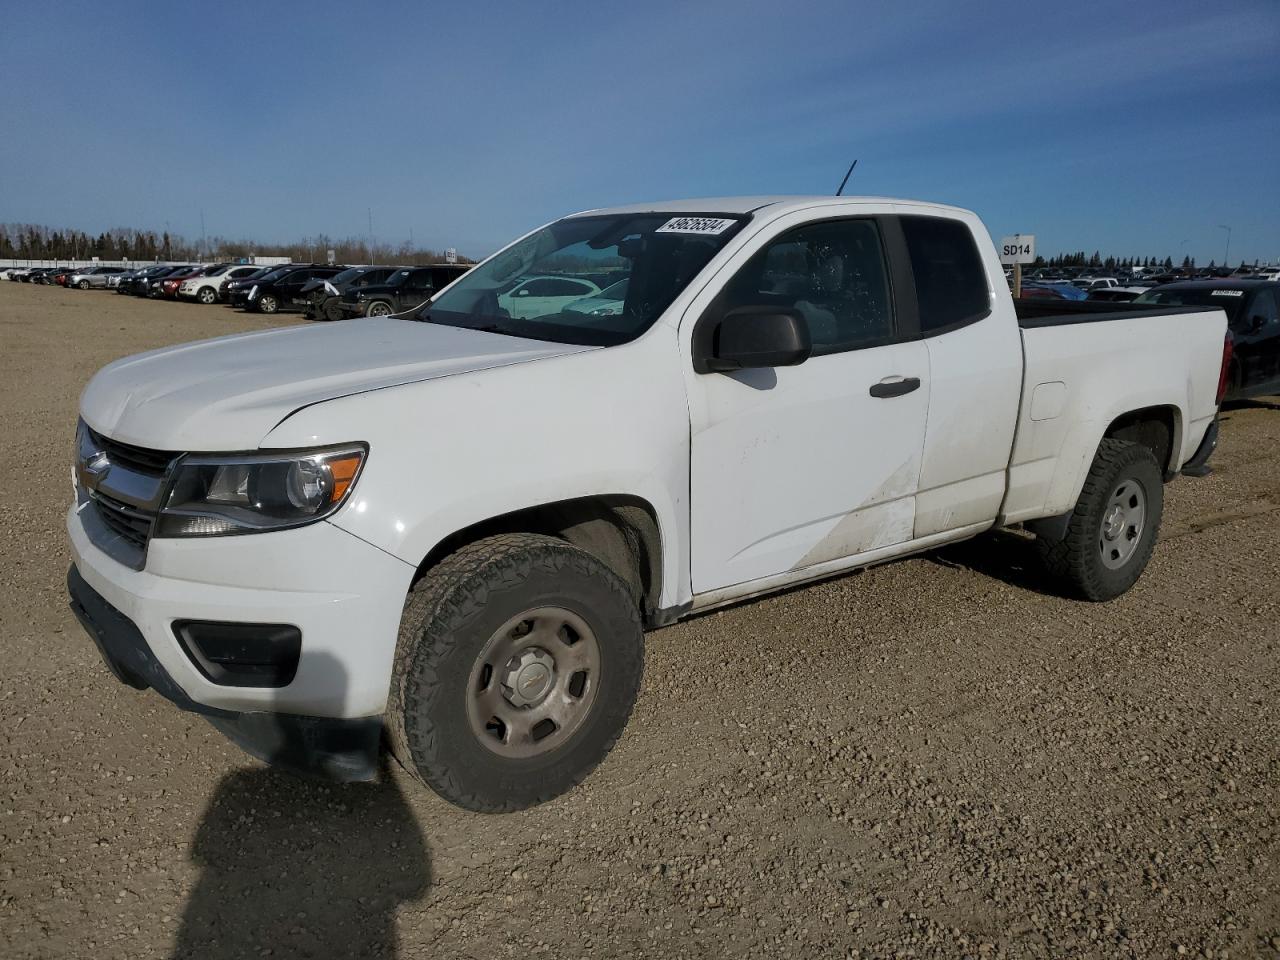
[228, 394]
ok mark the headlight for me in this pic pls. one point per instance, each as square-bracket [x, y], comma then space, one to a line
[253, 292]
[212, 496]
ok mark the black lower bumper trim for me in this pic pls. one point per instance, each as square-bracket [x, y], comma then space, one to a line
[338, 749]
[1198, 465]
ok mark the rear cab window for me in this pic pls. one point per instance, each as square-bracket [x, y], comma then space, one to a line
[950, 281]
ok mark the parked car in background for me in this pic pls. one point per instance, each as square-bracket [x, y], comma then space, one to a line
[1052, 291]
[227, 294]
[167, 287]
[84, 278]
[1095, 283]
[1253, 323]
[537, 296]
[323, 295]
[142, 286]
[607, 303]
[281, 290]
[207, 287]
[17, 274]
[405, 289]
[127, 280]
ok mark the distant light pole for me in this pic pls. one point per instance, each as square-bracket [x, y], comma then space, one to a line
[1226, 257]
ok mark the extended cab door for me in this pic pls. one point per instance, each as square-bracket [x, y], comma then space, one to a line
[794, 467]
[968, 325]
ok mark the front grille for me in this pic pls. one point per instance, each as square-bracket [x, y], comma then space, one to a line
[151, 462]
[130, 523]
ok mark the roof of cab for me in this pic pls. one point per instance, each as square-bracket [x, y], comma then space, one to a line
[744, 205]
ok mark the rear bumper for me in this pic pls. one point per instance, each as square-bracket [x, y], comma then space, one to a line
[337, 748]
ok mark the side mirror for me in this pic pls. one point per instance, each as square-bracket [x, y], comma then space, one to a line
[750, 337]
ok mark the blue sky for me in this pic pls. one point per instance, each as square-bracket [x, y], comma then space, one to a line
[1130, 128]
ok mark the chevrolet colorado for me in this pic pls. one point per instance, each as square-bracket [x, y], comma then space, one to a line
[452, 528]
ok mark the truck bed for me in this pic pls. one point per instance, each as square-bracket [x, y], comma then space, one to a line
[1037, 312]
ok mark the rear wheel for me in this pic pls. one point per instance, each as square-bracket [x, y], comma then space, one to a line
[519, 661]
[83, 284]
[379, 308]
[1112, 530]
[207, 295]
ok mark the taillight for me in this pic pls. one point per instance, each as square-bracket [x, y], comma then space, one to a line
[1228, 350]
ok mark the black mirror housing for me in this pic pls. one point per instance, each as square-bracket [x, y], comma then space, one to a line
[752, 337]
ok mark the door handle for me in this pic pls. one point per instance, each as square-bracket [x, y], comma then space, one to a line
[894, 387]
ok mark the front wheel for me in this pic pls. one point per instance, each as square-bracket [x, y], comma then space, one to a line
[378, 308]
[268, 304]
[207, 295]
[519, 660]
[1112, 531]
[83, 284]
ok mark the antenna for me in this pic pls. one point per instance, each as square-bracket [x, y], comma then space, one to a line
[846, 178]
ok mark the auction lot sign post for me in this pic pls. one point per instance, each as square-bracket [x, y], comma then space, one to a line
[1017, 250]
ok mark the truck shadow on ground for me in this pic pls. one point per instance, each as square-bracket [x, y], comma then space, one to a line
[298, 867]
[1003, 555]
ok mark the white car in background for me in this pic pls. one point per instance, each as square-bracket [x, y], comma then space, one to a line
[607, 303]
[206, 287]
[539, 296]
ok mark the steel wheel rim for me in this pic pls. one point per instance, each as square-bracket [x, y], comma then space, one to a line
[534, 683]
[1124, 519]
[379, 310]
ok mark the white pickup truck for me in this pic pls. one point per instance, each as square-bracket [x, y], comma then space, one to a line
[453, 527]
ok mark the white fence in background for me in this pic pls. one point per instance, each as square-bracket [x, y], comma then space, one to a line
[131, 264]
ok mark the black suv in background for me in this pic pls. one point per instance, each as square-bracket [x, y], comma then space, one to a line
[226, 294]
[1253, 323]
[282, 289]
[322, 296]
[142, 284]
[405, 289]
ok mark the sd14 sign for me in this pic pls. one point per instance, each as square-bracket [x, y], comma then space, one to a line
[1020, 248]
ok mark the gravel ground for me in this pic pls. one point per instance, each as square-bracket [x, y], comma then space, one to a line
[935, 758]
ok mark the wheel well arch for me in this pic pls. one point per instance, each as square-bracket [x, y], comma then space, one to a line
[1159, 429]
[621, 531]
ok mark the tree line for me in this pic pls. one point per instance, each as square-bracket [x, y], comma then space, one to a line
[1098, 262]
[30, 241]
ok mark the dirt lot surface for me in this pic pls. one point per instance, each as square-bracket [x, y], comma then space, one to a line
[936, 758]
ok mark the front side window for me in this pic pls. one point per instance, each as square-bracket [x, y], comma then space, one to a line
[833, 273]
[526, 290]
[951, 284]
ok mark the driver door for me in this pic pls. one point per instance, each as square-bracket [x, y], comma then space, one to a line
[797, 467]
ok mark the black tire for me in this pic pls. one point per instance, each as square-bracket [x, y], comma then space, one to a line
[449, 620]
[83, 284]
[378, 308]
[332, 312]
[268, 304]
[1077, 559]
[207, 295]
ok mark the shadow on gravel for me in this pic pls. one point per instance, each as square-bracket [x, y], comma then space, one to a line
[1002, 555]
[293, 867]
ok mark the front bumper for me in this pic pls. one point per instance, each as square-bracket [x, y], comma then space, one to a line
[342, 749]
[344, 595]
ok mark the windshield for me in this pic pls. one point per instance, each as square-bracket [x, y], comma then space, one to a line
[1232, 301]
[527, 290]
[346, 276]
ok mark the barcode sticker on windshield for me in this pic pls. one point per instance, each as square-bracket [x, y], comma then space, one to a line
[1227, 293]
[708, 226]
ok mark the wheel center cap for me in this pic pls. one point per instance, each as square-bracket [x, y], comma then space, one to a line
[1114, 523]
[528, 677]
